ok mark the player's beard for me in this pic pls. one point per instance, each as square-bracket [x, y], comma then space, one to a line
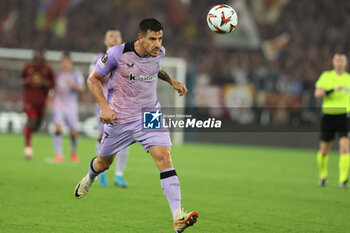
[155, 50]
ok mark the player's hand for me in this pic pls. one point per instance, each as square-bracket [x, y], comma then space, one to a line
[180, 87]
[44, 83]
[107, 116]
[70, 83]
[36, 82]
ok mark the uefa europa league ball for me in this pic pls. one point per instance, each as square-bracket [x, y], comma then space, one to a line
[222, 19]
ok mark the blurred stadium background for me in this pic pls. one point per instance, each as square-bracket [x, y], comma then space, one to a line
[261, 78]
[267, 67]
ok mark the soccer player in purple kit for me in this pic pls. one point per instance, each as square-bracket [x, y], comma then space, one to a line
[69, 83]
[112, 37]
[135, 68]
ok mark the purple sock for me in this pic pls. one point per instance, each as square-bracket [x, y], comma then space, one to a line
[57, 143]
[171, 188]
[122, 158]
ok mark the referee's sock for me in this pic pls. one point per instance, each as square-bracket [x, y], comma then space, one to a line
[322, 161]
[344, 163]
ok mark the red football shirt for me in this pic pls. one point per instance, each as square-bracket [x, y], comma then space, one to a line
[38, 80]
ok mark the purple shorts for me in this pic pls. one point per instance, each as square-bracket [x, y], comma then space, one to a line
[69, 117]
[99, 123]
[117, 137]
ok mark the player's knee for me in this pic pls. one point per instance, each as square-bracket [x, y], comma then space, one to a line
[325, 147]
[73, 133]
[165, 157]
[324, 150]
[58, 130]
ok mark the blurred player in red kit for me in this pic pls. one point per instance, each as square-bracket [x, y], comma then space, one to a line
[37, 78]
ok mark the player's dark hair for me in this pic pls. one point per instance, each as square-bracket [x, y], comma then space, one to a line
[111, 28]
[150, 24]
[39, 55]
[38, 51]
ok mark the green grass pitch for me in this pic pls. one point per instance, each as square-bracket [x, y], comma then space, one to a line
[234, 189]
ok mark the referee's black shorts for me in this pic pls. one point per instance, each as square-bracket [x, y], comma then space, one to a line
[332, 124]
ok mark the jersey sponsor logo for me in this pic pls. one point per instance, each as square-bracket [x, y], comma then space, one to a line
[135, 78]
[36, 79]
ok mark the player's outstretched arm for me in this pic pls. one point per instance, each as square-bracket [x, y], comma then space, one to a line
[107, 115]
[319, 92]
[179, 86]
[76, 87]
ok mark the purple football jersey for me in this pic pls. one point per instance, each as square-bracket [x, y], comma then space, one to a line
[66, 97]
[133, 81]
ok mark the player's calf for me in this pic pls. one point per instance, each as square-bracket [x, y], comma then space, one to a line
[161, 156]
[102, 164]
